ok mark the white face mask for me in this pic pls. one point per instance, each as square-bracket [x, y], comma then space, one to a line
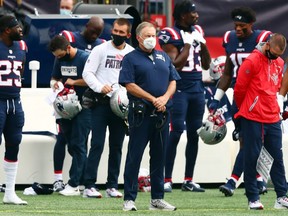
[149, 43]
[65, 12]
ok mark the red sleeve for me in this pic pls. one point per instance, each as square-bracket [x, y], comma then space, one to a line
[243, 80]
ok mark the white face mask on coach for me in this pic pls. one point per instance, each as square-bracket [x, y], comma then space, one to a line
[149, 43]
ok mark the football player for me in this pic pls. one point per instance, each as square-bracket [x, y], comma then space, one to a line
[12, 58]
[185, 45]
[238, 44]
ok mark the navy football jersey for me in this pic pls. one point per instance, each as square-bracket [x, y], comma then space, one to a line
[238, 49]
[192, 71]
[78, 41]
[12, 60]
[71, 69]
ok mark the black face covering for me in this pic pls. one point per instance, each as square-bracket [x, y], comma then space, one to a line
[270, 55]
[117, 39]
[65, 58]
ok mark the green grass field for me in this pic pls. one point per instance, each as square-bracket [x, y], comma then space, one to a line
[212, 202]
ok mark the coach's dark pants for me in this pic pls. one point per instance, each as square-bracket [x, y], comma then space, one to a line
[254, 133]
[143, 130]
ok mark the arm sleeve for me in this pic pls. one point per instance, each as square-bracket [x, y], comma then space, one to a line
[90, 70]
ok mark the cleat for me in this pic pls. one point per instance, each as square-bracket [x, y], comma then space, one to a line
[129, 205]
[70, 191]
[58, 186]
[114, 193]
[168, 187]
[281, 203]
[160, 204]
[262, 187]
[191, 186]
[228, 188]
[13, 200]
[2, 188]
[91, 193]
[255, 205]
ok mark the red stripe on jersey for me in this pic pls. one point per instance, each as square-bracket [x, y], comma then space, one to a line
[69, 36]
[23, 45]
[263, 36]
[175, 35]
[199, 29]
[226, 37]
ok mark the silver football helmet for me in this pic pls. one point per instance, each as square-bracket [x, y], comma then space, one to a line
[214, 129]
[119, 102]
[217, 67]
[66, 104]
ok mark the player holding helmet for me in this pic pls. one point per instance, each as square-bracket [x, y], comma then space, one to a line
[238, 44]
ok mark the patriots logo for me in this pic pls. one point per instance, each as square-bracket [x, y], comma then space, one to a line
[238, 17]
[161, 57]
[164, 38]
[60, 107]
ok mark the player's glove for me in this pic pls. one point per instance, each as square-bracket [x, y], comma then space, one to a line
[187, 37]
[198, 37]
[213, 106]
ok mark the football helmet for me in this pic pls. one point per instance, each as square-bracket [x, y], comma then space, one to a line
[66, 104]
[119, 102]
[144, 180]
[214, 129]
[217, 67]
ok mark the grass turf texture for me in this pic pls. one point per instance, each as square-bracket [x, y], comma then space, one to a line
[212, 202]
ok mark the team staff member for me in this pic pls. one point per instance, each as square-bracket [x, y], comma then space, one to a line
[85, 40]
[149, 77]
[12, 56]
[238, 44]
[255, 94]
[100, 73]
[68, 66]
[185, 44]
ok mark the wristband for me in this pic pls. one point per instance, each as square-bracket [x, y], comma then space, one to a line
[219, 94]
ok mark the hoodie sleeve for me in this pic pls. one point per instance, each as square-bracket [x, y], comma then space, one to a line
[243, 80]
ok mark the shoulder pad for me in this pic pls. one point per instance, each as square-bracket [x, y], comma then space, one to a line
[199, 29]
[168, 34]
[68, 35]
[23, 45]
[263, 36]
